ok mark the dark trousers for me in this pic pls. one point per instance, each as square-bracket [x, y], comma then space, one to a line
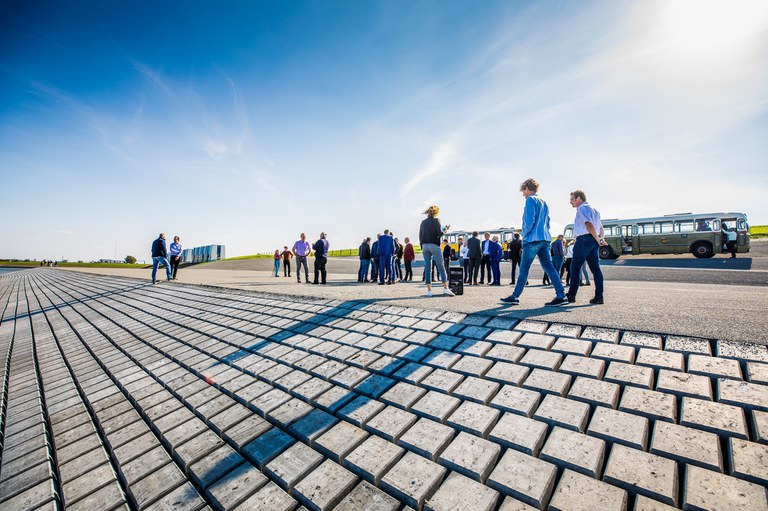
[299, 261]
[385, 269]
[320, 269]
[485, 268]
[176, 260]
[515, 264]
[286, 267]
[730, 245]
[474, 269]
[567, 269]
[408, 271]
[465, 265]
[374, 269]
[585, 249]
[398, 269]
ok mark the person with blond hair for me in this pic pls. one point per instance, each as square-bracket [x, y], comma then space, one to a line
[536, 241]
[430, 233]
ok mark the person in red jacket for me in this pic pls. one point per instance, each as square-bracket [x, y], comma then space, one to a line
[408, 257]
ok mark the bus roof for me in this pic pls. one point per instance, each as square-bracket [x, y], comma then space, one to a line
[667, 218]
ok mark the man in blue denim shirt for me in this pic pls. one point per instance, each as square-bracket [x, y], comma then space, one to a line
[536, 240]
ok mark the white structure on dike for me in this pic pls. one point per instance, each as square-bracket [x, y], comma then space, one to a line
[203, 254]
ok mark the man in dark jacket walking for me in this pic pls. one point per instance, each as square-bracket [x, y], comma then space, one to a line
[160, 256]
[364, 252]
[515, 252]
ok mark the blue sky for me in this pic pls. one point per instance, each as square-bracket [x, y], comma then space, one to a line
[246, 123]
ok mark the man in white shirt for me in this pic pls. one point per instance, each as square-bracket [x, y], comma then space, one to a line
[588, 232]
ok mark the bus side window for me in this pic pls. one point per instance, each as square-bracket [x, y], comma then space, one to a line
[687, 226]
[742, 225]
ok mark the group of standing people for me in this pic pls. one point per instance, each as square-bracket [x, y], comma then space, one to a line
[301, 250]
[536, 241]
[481, 257]
[384, 258]
[160, 255]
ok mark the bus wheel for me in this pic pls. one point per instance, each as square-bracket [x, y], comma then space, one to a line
[702, 250]
[606, 252]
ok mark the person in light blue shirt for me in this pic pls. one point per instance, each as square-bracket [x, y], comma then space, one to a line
[536, 240]
[175, 249]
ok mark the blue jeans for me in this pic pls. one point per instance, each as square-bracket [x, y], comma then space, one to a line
[156, 261]
[496, 271]
[531, 250]
[585, 249]
[362, 274]
[432, 253]
[557, 262]
[277, 267]
[385, 268]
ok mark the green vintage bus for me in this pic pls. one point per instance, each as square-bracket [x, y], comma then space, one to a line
[680, 233]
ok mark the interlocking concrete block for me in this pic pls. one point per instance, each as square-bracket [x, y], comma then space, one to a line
[42, 494]
[474, 418]
[606, 335]
[269, 401]
[718, 418]
[506, 352]
[144, 464]
[539, 341]
[361, 410]
[427, 438]
[157, 484]
[548, 382]
[413, 479]
[391, 423]
[325, 487]
[610, 352]
[293, 464]
[658, 359]
[742, 350]
[312, 425]
[564, 330]
[558, 411]
[706, 489]
[503, 336]
[649, 403]
[373, 458]
[749, 460]
[333, 399]
[542, 359]
[266, 447]
[757, 373]
[583, 366]
[403, 395]
[269, 498]
[214, 466]
[688, 345]
[445, 342]
[519, 433]
[740, 393]
[595, 392]
[524, 477]
[619, 427]
[687, 445]
[643, 474]
[470, 455]
[537, 327]
[474, 347]
[714, 367]
[289, 412]
[412, 372]
[436, 406]
[442, 380]
[628, 374]
[760, 426]
[507, 373]
[350, 377]
[568, 346]
[576, 492]
[460, 492]
[641, 339]
[575, 451]
[246, 430]
[511, 504]
[684, 384]
[236, 486]
[472, 366]
[516, 400]
[441, 359]
[367, 497]
[643, 503]
[340, 440]
[477, 390]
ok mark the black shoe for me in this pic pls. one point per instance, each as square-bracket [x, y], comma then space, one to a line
[597, 301]
[510, 300]
[587, 284]
[558, 301]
